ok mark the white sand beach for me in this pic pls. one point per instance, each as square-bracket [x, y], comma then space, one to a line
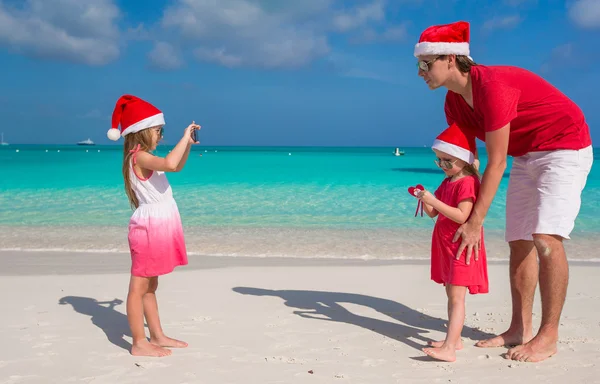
[271, 321]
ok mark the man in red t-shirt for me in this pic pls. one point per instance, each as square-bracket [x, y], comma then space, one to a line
[517, 113]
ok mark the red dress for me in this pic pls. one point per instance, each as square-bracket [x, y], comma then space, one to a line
[445, 269]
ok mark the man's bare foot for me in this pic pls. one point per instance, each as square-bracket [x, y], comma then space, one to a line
[444, 354]
[438, 344]
[145, 348]
[508, 338]
[538, 349]
[168, 342]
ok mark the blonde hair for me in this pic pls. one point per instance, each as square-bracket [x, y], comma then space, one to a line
[471, 169]
[144, 139]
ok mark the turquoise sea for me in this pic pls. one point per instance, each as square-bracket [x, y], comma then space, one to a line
[244, 201]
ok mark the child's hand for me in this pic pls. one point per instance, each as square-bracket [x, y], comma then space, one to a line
[426, 197]
[190, 132]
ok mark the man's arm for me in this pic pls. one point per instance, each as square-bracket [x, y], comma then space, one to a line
[496, 143]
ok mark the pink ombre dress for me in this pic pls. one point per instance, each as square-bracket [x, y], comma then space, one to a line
[156, 238]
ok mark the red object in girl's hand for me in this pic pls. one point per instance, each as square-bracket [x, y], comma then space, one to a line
[414, 192]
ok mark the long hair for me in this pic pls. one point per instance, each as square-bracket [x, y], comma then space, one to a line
[471, 169]
[144, 139]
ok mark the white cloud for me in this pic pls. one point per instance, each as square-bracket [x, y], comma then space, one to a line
[272, 34]
[164, 56]
[505, 22]
[359, 16]
[249, 33]
[71, 30]
[585, 13]
[390, 34]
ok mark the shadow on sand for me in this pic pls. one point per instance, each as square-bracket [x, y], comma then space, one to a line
[327, 306]
[104, 316]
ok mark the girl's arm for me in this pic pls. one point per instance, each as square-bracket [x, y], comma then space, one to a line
[171, 162]
[429, 210]
[187, 152]
[459, 214]
[184, 158]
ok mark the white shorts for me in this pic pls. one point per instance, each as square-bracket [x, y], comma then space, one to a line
[544, 192]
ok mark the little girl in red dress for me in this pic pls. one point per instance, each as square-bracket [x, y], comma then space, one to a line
[452, 202]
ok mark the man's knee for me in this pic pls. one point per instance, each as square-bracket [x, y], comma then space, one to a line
[520, 249]
[547, 245]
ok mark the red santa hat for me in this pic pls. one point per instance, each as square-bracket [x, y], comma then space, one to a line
[134, 115]
[454, 142]
[446, 39]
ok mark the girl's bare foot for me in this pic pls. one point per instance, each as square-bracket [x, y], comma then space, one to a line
[167, 342]
[145, 348]
[438, 344]
[443, 354]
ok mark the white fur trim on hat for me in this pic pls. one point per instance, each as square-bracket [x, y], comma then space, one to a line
[454, 150]
[427, 48]
[148, 122]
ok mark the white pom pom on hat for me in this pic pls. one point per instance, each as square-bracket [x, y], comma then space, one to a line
[133, 115]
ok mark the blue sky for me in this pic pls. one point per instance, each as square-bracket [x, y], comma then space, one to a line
[271, 72]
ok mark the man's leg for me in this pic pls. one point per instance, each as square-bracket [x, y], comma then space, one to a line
[554, 278]
[560, 178]
[523, 280]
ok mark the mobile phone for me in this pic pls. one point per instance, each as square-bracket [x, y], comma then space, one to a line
[194, 135]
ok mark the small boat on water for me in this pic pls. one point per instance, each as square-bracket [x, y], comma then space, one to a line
[86, 142]
[2, 139]
[398, 152]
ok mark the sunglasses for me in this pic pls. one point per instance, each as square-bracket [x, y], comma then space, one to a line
[444, 164]
[425, 65]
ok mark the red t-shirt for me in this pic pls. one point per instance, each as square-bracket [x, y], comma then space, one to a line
[445, 269]
[541, 117]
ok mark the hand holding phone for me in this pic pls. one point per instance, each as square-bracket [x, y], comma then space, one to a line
[192, 131]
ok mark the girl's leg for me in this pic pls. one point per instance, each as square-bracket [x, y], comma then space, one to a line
[456, 316]
[157, 337]
[438, 344]
[138, 287]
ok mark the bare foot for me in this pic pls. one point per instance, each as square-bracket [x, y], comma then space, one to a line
[168, 342]
[144, 348]
[538, 349]
[444, 354]
[438, 344]
[508, 338]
